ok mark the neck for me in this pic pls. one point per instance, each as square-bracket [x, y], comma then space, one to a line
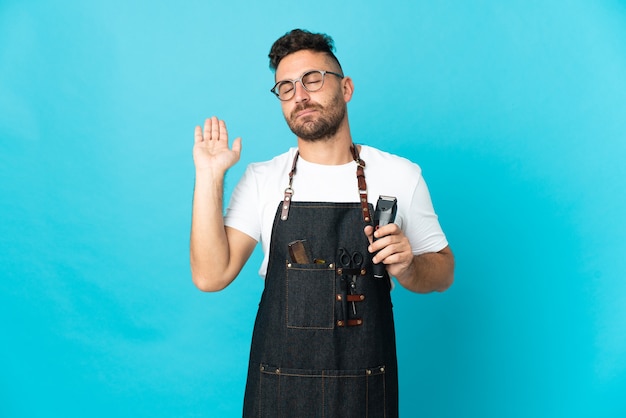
[328, 151]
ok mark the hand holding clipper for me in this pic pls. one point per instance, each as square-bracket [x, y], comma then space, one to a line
[385, 213]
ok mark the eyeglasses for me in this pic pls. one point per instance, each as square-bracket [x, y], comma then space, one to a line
[311, 81]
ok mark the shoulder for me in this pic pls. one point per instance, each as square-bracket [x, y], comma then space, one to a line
[272, 170]
[378, 160]
[391, 175]
[277, 163]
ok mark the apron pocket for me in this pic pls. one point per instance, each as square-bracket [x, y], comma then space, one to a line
[329, 393]
[310, 296]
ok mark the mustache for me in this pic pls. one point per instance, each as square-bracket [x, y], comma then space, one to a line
[304, 106]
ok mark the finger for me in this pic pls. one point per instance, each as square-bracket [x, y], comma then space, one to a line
[399, 259]
[389, 254]
[215, 129]
[197, 135]
[223, 131]
[207, 129]
[380, 254]
[384, 247]
[368, 233]
[389, 229]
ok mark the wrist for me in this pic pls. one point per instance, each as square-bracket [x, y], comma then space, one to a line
[210, 173]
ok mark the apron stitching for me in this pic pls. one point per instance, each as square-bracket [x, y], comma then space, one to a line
[323, 395]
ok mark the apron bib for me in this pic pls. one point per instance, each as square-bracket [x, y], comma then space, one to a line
[324, 342]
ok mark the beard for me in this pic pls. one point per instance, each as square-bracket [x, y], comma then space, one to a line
[323, 126]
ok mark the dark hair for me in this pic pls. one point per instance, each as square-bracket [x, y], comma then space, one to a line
[297, 40]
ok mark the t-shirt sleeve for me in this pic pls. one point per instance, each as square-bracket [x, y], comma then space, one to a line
[423, 228]
[242, 211]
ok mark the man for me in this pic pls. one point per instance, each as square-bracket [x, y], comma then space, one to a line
[323, 341]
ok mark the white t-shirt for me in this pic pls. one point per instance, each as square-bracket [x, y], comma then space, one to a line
[256, 197]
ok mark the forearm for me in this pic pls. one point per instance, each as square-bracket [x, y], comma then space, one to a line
[209, 249]
[429, 272]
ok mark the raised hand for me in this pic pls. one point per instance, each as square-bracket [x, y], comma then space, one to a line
[217, 253]
[211, 151]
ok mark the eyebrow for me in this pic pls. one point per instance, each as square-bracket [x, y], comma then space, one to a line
[301, 74]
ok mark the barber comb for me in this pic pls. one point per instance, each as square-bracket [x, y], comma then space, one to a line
[299, 252]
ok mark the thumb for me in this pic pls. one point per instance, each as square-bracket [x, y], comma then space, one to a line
[369, 232]
[237, 145]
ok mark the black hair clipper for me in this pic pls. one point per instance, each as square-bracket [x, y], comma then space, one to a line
[385, 213]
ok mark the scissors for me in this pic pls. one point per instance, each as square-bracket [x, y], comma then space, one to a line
[351, 264]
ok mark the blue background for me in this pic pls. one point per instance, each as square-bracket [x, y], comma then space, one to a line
[515, 110]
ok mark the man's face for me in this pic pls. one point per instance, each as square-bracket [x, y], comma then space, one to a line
[313, 116]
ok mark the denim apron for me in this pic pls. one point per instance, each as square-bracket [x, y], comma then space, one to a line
[323, 343]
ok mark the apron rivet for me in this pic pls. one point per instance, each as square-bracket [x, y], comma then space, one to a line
[382, 369]
[368, 372]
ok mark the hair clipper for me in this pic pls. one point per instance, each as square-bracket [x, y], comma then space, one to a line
[385, 213]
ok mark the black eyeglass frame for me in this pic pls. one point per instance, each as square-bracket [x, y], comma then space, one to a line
[293, 82]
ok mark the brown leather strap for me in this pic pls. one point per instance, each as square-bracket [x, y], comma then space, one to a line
[289, 190]
[350, 322]
[351, 298]
[360, 175]
[358, 271]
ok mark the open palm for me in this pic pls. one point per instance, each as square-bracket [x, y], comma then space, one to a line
[211, 149]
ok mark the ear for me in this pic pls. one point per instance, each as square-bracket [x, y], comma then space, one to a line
[348, 88]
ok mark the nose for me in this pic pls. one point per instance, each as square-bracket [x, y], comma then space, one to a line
[301, 95]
